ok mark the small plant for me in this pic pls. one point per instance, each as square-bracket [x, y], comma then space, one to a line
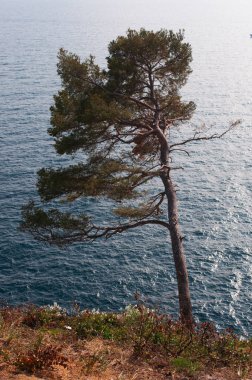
[35, 317]
[181, 364]
[96, 324]
[150, 330]
[4, 355]
[96, 362]
[141, 323]
[39, 358]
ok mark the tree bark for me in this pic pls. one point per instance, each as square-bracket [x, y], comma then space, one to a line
[185, 306]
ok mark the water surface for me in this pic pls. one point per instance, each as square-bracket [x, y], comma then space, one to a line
[215, 185]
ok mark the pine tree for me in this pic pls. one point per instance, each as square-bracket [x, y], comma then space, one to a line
[120, 119]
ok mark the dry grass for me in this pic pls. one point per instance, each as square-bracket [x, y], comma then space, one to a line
[139, 344]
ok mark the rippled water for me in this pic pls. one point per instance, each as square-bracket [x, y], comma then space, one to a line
[215, 187]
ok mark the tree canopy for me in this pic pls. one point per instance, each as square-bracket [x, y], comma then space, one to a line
[109, 115]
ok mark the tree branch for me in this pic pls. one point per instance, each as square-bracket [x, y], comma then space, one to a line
[93, 233]
[180, 150]
[136, 101]
[145, 134]
[211, 137]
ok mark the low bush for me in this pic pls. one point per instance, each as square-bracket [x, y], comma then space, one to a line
[39, 358]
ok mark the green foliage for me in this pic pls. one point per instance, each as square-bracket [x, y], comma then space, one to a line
[163, 51]
[132, 212]
[35, 317]
[50, 226]
[109, 116]
[142, 210]
[185, 365]
[83, 112]
[98, 177]
[96, 324]
[52, 219]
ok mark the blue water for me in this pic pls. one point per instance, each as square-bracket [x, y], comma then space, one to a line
[215, 185]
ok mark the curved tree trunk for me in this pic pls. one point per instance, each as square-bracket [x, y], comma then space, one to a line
[178, 252]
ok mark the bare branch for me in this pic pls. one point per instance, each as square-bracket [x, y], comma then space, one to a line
[211, 137]
[145, 134]
[133, 123]
[173, 120]
[136, 101]
[177, 168]
[93, 233]
[110, 231]
[180, 150]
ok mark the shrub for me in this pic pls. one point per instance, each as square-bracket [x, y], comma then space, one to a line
[96, 324]
[39, 358]
[182, 364]
[35, 317]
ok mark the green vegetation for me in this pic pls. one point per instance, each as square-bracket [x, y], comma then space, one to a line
[35, 340]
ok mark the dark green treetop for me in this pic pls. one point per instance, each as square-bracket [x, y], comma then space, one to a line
[109, 115]
[118, 119]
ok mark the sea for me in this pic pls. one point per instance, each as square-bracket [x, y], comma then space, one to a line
[214, 187]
